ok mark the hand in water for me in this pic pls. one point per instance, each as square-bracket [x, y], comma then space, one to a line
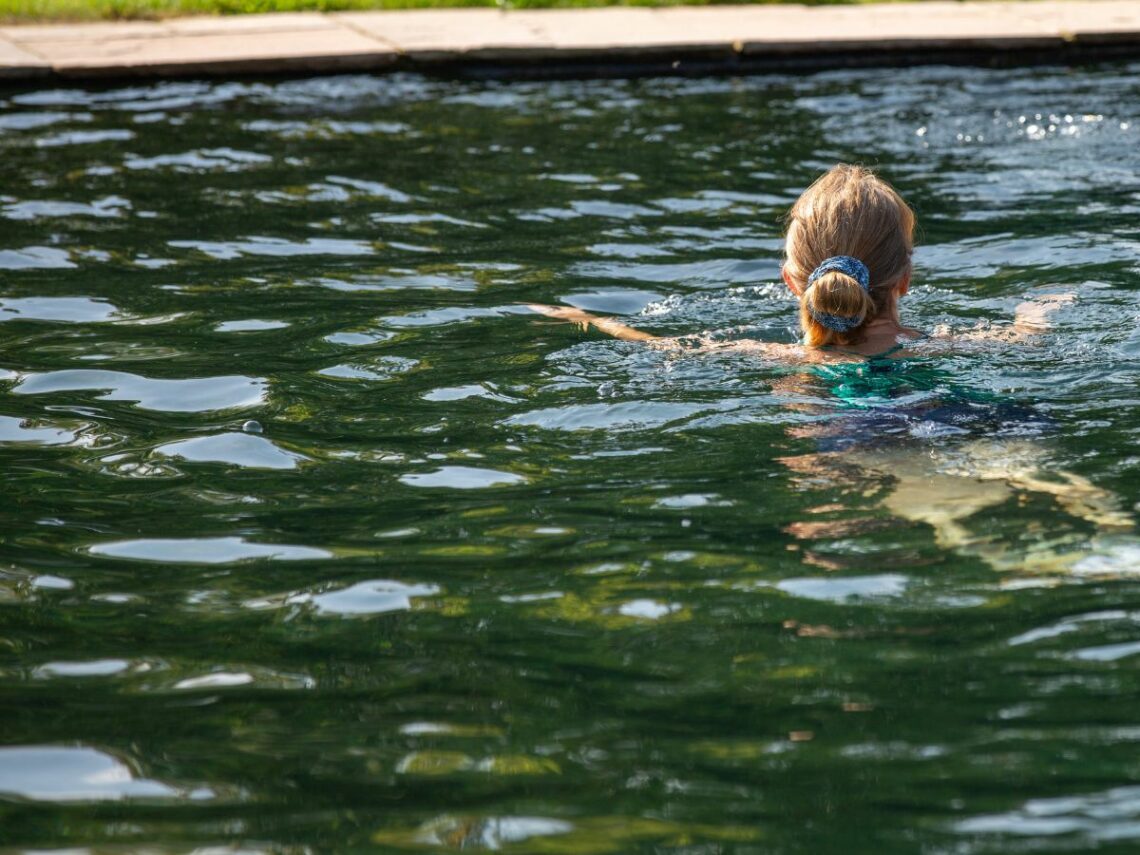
[584, 319]
[562, 313]
[1034, 313]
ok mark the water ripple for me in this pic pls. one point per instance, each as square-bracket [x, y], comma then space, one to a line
[204, 550]
[189, 395]
[49, 773]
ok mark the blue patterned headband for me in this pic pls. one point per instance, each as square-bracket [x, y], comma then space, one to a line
[854, 268]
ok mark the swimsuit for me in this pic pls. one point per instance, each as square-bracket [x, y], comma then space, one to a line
[883, 400]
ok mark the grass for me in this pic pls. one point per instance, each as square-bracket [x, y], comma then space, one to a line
[23, 11]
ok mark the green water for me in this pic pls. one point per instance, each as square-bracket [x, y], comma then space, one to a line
[312, 540]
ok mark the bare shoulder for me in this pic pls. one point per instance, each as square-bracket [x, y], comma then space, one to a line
[770, 350]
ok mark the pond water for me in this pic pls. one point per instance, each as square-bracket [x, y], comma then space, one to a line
[314, 540]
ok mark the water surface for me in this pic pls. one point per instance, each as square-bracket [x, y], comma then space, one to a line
[314, 540]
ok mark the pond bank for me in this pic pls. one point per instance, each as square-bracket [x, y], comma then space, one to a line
[614, 41]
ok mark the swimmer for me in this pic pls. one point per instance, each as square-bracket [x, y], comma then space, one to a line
[848, 248]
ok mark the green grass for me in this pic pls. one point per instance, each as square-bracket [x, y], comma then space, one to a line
[20, 11]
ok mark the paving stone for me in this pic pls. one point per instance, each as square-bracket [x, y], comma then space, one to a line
[1104, 20]
[311, 42]
[16, 63]
[910, 25]
[615, 28]
[426, 34]
[93, 33]
[886, 27]
[320, 49]
[289, 22]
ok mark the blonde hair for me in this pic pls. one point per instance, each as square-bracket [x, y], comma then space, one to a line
[847, 211]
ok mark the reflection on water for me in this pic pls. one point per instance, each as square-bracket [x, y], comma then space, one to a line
[45, 773]
[316, 538]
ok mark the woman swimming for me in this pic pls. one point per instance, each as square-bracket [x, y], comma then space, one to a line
[848, 248]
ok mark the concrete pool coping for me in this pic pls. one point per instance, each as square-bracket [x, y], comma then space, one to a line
[617, 41]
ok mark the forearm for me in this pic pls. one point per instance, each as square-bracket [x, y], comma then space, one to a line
[585, 320]
[619, 330]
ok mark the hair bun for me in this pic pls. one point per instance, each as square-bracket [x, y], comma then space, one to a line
[836, 297]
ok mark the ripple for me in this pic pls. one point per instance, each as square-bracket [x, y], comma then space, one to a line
[491, 833]
[648, 609]
[216, 680]
[49, 773]
[28, 121]
[627, 250]
[194, 395]
[449, 315]
[1112, 556]
[201, 160]
[1110, 815]
[77, 310]
[258, 677]
[85, 137]
[276, 247]
[250, 325]
[237, 449]
[36, 258]
[358, 339]
[845, 588]
[472, 390]
[713, 273]
[373, 597]
[462, 478]
[611, 210]
[14, 430]
[410, 280]
[1106, 652]
[691, 500]
[336, 189]
[614, 301]
[108, 207]
[1075, 623]
[425, 219]
[373, 189]
[204, 550]
[377, 368]
[88, 668]
[626, 415]
[325, 128]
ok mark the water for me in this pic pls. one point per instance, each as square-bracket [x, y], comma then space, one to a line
[313, 540]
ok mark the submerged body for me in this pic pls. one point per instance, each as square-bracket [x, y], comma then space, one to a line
[948, 451]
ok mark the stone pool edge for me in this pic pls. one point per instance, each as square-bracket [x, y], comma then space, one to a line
[614, 41]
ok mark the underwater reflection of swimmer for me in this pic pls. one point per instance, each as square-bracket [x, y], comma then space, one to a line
[937, 454]
[946, 489]
[945, 453]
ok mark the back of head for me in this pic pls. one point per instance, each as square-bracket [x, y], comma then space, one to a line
[857, 227]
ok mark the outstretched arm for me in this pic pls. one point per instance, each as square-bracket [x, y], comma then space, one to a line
[787, 353]
[607, 325]
[1030, 318]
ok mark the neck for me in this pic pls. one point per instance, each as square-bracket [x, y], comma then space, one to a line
[883, 331]
[887, 321]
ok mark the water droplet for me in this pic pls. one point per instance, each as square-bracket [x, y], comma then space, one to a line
[251, 426]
